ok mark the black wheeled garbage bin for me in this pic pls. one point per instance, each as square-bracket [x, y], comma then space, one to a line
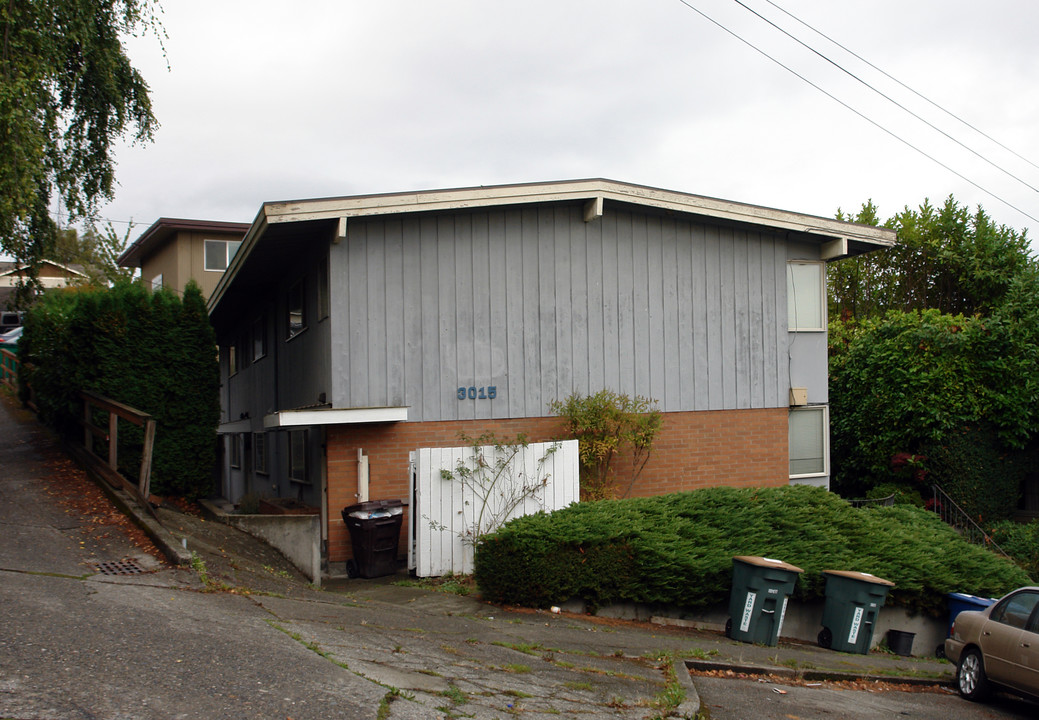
[853, 601]
[757, 604]
[375, 534]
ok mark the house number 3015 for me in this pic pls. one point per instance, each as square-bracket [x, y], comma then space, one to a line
[474, 393]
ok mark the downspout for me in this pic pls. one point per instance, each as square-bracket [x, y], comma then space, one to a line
[362, 476]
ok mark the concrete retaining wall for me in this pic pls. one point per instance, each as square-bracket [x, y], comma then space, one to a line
[802, 622]
[297, 537]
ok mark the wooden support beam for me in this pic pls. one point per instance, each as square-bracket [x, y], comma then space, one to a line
[593, 208]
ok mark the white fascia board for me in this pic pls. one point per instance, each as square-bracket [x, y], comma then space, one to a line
[255, 231]
[332, 416]
[576, 190]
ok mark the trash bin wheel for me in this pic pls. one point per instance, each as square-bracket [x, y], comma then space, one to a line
[352, 570]
[939, 652]
[825, 638]
[728, 628]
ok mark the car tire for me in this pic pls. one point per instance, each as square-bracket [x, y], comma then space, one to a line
[970, 676]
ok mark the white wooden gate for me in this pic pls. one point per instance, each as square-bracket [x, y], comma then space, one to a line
[458, 493]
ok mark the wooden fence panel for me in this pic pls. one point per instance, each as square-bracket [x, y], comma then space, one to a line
[452, 508]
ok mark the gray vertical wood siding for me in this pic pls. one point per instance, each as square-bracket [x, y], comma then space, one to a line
[539, 304]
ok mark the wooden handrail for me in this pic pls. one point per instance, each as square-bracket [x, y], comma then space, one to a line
[9, 368]
[117, 410]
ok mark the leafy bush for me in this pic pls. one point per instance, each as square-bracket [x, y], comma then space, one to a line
[677, 550]
[978, 473]
[1020, 541]
[609, 425]
[919, 380]
[152, 351]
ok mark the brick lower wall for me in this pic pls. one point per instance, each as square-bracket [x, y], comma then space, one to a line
[693, 450]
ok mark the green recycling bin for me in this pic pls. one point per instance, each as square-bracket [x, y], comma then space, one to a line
[757, 604]
[853, 601]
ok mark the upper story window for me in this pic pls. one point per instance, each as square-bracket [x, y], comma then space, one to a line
[220, 253]
[157, 282]
[259, 337]
[806, 296]
[296, 317]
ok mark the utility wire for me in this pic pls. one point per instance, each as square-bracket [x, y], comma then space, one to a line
[899, 82]
[879, 92]
[871, 121]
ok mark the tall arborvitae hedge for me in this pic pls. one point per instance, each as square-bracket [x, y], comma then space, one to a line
[151, 350]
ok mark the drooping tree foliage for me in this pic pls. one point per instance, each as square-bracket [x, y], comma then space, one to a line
[152, 351]
[68, 92]
[933, 360]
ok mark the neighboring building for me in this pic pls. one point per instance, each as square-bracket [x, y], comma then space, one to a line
[50, 275]
[381, 324]
[172, 251]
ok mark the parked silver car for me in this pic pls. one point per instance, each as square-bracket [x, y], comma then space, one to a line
[998, 646]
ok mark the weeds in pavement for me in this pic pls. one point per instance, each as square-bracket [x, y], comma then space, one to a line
[455, 695]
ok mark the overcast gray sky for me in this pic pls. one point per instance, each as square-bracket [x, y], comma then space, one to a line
[271, 101]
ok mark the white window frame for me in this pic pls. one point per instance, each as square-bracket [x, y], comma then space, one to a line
[795, 298]
[230, 248]
[824, 410]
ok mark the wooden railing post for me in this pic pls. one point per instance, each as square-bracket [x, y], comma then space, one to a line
[113, 441]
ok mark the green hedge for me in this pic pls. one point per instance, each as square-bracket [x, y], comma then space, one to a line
[151, 350]
[677, 550]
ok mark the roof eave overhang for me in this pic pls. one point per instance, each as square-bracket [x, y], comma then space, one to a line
[838, 238]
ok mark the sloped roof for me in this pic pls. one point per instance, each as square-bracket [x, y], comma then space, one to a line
[164, 228]
[839, 238]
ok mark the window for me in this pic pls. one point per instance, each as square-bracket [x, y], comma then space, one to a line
[242, 352]
[322, 290]
[259, 338]
[808, 430]
[260, 452]
[805, 296]
[157, 282]
[220, 253]
[232, 359]
[234, 449]
[298, 456]
[297, 320]
[1016, 609]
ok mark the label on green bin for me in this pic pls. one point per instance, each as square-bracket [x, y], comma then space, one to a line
[782, 616]
[748, 612]
[856, 623]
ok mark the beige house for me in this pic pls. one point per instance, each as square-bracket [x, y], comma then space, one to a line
[50, 275]
[173, 251]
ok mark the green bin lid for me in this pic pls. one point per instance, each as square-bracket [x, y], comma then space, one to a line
[767, 562]
[864, 577]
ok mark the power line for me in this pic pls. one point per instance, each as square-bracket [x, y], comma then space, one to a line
[862, 115]
[882, 94]
[903, 85]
